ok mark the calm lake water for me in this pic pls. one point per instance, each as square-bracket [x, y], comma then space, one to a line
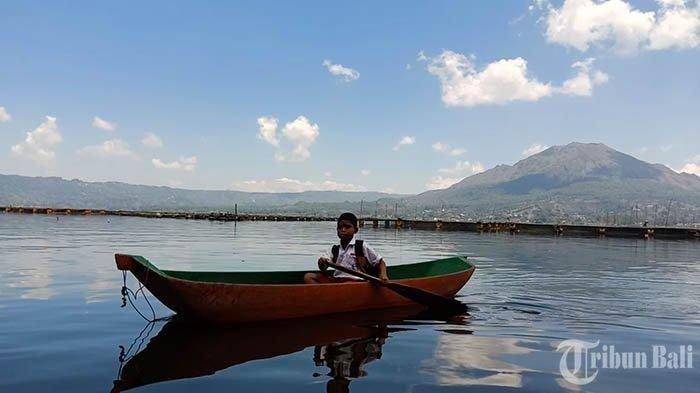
[61, 323]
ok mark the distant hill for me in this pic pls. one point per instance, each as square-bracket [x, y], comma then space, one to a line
[576, 179]
[576, 183]
[58, 192]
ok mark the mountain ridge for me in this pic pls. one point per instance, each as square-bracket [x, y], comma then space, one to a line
[59, 192]
[571, 182]
[559, 166]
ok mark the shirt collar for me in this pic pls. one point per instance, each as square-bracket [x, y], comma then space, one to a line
[352, 243]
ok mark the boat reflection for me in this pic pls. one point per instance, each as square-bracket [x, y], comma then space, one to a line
[344, 343]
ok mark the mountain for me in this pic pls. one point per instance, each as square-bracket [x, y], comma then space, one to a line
[576, 183]
[58, 192]
[575, 179]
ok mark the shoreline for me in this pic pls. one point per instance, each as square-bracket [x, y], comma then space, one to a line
[512, 228]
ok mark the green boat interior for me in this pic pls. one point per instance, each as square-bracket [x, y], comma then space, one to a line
[397, 272]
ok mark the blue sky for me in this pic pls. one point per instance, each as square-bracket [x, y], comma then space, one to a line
[487, 80]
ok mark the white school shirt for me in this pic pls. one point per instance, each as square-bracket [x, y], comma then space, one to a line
[346, 258]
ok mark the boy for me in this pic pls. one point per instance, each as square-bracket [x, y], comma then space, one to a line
[346, 255]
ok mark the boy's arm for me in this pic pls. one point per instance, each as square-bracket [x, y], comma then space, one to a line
[372, 256]
[381, 267]
[323, 261]
[375, 259]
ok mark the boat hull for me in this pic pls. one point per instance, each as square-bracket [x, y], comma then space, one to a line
[227, 303]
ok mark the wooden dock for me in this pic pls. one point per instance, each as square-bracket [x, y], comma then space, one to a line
[512, 228]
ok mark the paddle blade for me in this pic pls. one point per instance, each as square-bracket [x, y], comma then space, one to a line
[432, 300]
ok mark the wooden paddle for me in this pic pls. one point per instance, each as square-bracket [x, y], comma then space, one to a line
[432, 300]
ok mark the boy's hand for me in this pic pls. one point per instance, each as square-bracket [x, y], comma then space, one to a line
[384, 277]
[323, 263]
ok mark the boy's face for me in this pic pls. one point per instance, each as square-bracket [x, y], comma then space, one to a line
[346, 230]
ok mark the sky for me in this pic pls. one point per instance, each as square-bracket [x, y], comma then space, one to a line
[380, 96]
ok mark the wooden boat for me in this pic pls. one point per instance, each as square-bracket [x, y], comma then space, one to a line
[236, 297]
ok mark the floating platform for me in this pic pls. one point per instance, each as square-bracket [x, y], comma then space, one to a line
[513, 228]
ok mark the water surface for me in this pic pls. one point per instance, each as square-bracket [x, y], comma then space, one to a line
[61, 323]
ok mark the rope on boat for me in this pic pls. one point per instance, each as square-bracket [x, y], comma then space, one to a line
[127, 294]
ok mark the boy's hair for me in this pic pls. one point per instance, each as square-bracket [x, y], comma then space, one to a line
[349, 217]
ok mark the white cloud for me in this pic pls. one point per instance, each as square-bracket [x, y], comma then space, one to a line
[534, 149]
[328, 174]
[151, 140]
[454, 175]
[348, 74]
[498, 83]
[540, 5]
[407, 140]
[439, 146]
[582, 84]
[678, 27]
[581, 24]
[102, 124]
[422, 56]
[503, 81]
[300, 133]
[671, 3]
[457, 152]
[465, 168]
[183, 163]
[38, 144]
[514, 21]
[268, 130]
[408, 66]
[444, 148]
[691, 168]
[365, 172]
[293, 185]
[110, 148]
[4, 116]
[666, 148]
[439, 182]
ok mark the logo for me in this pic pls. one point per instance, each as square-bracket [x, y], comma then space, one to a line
[578, 351]
[581, 360]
